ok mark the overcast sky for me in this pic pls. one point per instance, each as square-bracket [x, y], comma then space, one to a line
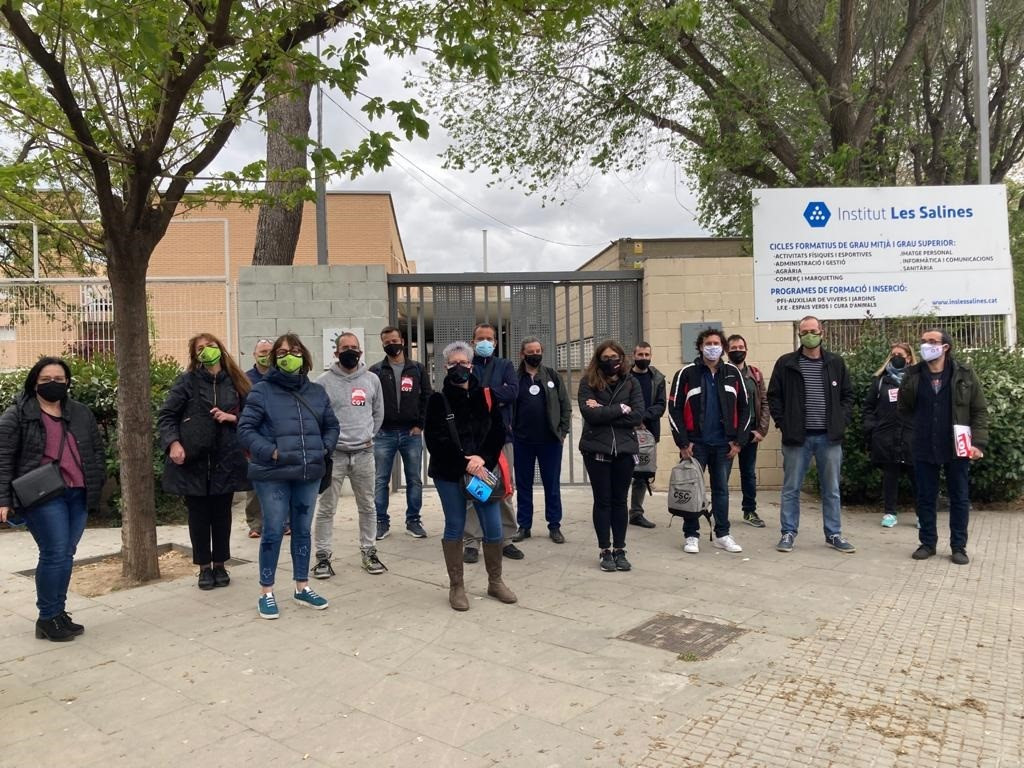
[443, 233]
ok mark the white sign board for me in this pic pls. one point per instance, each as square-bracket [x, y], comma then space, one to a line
[881, 252]
[330, 343]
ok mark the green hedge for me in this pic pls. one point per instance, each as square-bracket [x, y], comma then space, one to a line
[94, 384]
[997, 477]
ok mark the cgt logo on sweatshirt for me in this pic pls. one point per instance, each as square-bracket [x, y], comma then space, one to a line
[407, 383]
[358, 396]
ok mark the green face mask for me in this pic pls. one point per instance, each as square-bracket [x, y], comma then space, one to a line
[811, 340]
[209, 356]
[263, 361]
[289, 363]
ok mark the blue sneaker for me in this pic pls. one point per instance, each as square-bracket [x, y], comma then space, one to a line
[786, 542]
[889, 520]
[310, 599]
[836, 541]
[268, 606]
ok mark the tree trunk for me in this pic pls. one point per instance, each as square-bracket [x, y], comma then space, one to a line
[278, 226]
[135, 417]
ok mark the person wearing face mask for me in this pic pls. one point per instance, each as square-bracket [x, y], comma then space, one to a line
[811, 401]
[465, 433]
[358, 402]
[498, 375]
[760, 418]
[944, 399]
[709, 414]
[406, 388]
[46, 426]
[261, 365]
[289, 428]
[887, 432]
[540, 419]
[205, 462]
[612, 406]
[652, 384]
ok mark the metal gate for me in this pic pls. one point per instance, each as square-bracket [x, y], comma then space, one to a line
[568, 311]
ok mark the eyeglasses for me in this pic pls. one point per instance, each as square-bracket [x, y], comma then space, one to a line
[284, 352]
[801, 334]
[458, 363]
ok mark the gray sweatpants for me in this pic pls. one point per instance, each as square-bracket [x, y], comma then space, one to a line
[358, 467]
[474, 534]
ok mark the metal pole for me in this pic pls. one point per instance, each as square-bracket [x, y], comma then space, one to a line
[485, 250]
[321, 182]
[35, 251]
[981, 91]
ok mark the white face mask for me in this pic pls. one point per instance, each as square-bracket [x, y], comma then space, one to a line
[931, 352]
[712, 352]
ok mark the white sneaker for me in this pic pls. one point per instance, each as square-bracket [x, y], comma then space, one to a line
[691, 545]
[728, 543]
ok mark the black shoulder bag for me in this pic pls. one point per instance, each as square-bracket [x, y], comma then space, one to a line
[475, 488]
[325, 481]
[43, 483]
[197, 430]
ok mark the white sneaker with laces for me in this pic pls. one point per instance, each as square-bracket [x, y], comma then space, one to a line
[728, 543]
[691, 545]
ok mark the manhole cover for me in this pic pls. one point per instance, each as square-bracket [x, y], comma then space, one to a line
[690, 638]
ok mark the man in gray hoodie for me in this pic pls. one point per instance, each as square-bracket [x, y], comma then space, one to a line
[358, 402]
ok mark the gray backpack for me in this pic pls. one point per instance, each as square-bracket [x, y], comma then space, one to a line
[686, 492]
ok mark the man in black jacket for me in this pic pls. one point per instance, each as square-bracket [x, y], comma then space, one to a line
[406, 388]
[652, 384]
[811, 400]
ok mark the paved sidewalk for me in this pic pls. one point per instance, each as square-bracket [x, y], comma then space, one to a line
[868, 659]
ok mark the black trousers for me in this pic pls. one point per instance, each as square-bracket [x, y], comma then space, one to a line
[891, 484]
[209, 527]
[609, 481]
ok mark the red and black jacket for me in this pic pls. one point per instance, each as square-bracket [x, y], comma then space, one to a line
[686, 403]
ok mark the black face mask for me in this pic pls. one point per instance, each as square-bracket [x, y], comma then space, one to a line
[533, 360]
[393, 350]
[737, 356]
[897, 362]
[642, 365]
[459, 374]
[611, 367]
[349, 358]
[52, 391]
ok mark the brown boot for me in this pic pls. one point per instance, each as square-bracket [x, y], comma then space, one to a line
[495, 586]
[453, 560]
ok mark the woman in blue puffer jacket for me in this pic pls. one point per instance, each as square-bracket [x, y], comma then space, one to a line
[289, 428]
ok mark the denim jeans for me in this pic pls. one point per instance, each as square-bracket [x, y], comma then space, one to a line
[386, 444]
[796, 460]
[715, 459]
[549, 456]
[609, 482]
[453, 502]
[285, 502]
[927, 476]
[506, 509]
[748, 476]
[57, 527]
[358, 467]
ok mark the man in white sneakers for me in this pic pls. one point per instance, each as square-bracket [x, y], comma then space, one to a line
[710, 419]
[358, 402]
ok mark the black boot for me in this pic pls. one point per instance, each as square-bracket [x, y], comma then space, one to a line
[65, 619]
[54, 630]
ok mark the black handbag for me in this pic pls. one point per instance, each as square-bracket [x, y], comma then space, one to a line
[197, 430]
[43, 483]
[325, 481]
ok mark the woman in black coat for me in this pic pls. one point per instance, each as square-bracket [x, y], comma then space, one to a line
[612, 406]
[888, 434]
[45, 426]
[205, 462]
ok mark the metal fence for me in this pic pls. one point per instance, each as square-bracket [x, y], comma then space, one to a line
[965, 330]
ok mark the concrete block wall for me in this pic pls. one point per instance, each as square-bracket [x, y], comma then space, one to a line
[306, 299]
[696, 289]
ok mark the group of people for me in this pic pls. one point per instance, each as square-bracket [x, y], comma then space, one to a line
[290, 442]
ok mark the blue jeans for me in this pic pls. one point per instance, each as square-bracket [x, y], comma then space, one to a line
[386, 444]
[285, 502]
[57, 526]
[549, 456]
[453, 502]
[927, 476]
[748, 476]
[715, 459]
[796, 460]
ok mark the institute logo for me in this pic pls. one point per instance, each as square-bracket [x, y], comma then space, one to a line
[817, 214]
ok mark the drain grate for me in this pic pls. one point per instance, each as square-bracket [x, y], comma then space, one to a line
[690, 638]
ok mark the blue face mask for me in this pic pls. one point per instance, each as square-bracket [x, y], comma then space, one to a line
[485, 348]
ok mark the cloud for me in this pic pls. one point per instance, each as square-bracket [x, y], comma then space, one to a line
[441, 213]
